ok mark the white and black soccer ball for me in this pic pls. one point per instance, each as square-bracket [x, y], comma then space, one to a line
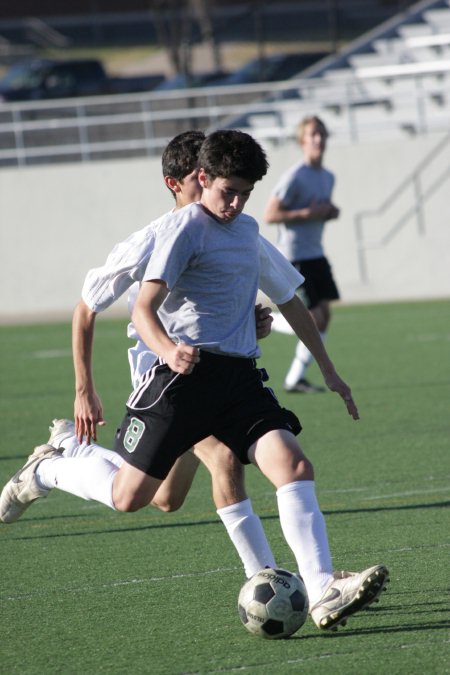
[273, 603]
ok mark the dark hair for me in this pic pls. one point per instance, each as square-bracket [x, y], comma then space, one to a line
[229, 153]
[180, 155]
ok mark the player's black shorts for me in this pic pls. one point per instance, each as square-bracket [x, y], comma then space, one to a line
[319, 283]
[169, 413]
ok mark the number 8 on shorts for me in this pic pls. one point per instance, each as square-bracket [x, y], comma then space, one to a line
[133, 434]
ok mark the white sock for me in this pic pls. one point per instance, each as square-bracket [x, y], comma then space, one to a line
[73, 448]
[300, 363]
[69, 444]
[305, 532]
[85, 477]
[247, 534]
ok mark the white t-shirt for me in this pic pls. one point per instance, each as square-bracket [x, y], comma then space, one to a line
[125, 267]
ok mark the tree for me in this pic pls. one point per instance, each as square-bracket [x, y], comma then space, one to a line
[176, 23]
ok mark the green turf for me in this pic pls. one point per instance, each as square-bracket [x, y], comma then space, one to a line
[86, 590]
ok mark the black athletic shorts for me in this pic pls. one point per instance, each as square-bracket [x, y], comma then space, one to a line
[169, 413]
[319, 283]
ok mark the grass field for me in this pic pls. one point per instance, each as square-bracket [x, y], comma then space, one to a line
[86, 590]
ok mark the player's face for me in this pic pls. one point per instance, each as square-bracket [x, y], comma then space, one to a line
[225, 198]
[314, 143]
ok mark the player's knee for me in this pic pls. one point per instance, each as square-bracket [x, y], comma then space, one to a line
[168, 505]
[304, 470]
[129, 502]
[227, 462]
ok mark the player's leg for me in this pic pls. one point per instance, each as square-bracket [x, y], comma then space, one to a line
[321, 313]
[227, 472]
[47, 468]
[95, 478]
[125, 488]
[133, 489]
[295, 380]
[317, 292]
[281, 460]
[234, 507]
[227, 475]
[173, 490]
[225, 469]
[63, 436]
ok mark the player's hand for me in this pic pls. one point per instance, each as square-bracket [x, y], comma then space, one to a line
[322, 210]
[182, 358]
[88, 414]
[263, 319]
[335, 383]
[333, 212]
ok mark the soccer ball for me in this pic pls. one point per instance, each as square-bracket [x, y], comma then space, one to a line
[273, 603]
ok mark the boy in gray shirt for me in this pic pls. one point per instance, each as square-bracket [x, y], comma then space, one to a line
[301, 205]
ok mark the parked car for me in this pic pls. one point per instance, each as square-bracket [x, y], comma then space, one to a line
[48, 78]
[276, 67]
[181, 81]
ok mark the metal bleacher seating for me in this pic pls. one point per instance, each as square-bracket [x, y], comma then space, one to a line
[393, 81]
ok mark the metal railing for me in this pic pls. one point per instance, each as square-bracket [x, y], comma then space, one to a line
[421, 195]
[141, 124]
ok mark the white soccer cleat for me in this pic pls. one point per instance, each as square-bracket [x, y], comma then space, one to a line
[348, 593]
[60, 431]
[23, 489]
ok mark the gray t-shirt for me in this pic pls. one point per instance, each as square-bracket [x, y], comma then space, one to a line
[124, 270]
[296, 189]
[213, 272]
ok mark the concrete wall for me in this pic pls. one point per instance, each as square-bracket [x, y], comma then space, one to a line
[58, 221]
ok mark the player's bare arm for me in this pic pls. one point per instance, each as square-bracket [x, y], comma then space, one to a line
[297, 315]
[88, 410]
[276, 212]
[181, 358]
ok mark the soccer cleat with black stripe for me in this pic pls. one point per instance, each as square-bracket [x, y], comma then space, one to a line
[347, 594]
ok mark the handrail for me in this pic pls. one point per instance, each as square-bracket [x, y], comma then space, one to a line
[421, 197]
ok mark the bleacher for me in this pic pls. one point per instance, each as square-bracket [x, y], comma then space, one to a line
[392, 82]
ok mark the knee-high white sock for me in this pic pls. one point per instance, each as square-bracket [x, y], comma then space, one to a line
[73, 448]
[247, 534]
[85, 477]
[305, 532]
[300, 363]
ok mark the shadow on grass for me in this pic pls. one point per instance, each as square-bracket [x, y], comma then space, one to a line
[404, 628]
[440, 624]
[197, 523]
